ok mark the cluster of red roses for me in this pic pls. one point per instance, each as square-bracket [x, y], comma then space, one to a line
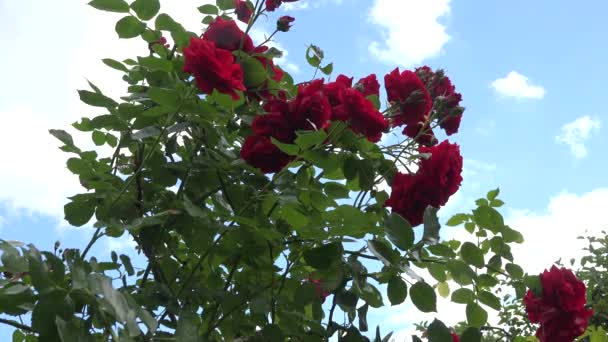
[417, 99]
[315, 106]
[560, 309]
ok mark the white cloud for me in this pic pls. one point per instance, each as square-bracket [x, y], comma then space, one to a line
[518, 86]
[552, 234]
[576, 132]
[411, 30]
[302, 5]
[39, 89]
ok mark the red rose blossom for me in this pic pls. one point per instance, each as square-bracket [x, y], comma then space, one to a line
[455, 338]
[444, 169]
[362, 116]
[310, 110]
[369, 85]
[319, 290]
[436, 179]
[273, 125]
[407, 89]
[260, 152]
[213, 68]
[242, 10]
[561, 308]
[228, 36]
[284, 23]
[271, 5]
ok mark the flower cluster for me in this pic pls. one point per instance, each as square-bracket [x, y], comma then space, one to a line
[436, 179]
[560, 309]
[420, 97]
[315, 106]
[211, 61]
[271, 5]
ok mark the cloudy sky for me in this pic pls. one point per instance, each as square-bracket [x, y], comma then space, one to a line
[531, 74]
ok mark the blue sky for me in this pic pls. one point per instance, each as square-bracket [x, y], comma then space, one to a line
[532, 75]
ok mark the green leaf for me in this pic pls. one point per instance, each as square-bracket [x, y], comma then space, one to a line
[457, 219]
[312, 56]
[476, 315]
[328, 69]
[208, 9]
[368, 293]
[324, 257]
[225, 4]
[309, 139]
[397, 290]
[63, 136]
[164, 97]
[382, 251]
[441, 250]
[79, 212]
[187, 327]
[129, 27]
[461, 272]
[254, 73]
[515, 271]
[488, 218]
[362, 314]
[438, 332]
[463, 296]
[99, 138]
[423, 296]
[146, 9]
[96, 99]
[472, 255]
[126, 262]
[493, 194]
[431, 225]
[336, 190]
[471, 335]
[110, 5]
[437, 270]
[486, 280]
[154, 64]
[443, 289]
[114, 64]
[290, 149]
[399, 231]
[489, 299]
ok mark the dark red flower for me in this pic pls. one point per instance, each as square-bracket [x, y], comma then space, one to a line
[407, 90]
[284, 23]
[455, 338]
[334, 92]
[271, 5]
[361, 114]
[213, 68]
[443, 169]
[228, 36]
[259, 151]
[423, 134]
[273, 125]
[242, 10]
[436, 179]
[409, 195]
[369, 85]
[560, 309]
[310, 110]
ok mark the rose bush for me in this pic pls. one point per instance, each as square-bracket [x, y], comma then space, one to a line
[261, 205]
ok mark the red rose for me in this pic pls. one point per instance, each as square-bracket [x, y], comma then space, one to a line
[334, 92]
[362, 116]
[407, 89]
[369, 85]
[213, 68]
[271, 5]
[259, 151]
[444, 169]
[310, 110]
[437, 178]
[284, 23]
[455, 338]
[242, 10]
[561, 308]
[409, 197]
[227, 35]
[451, 122]
[319, 290]
[273, 125]
[425, 138]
